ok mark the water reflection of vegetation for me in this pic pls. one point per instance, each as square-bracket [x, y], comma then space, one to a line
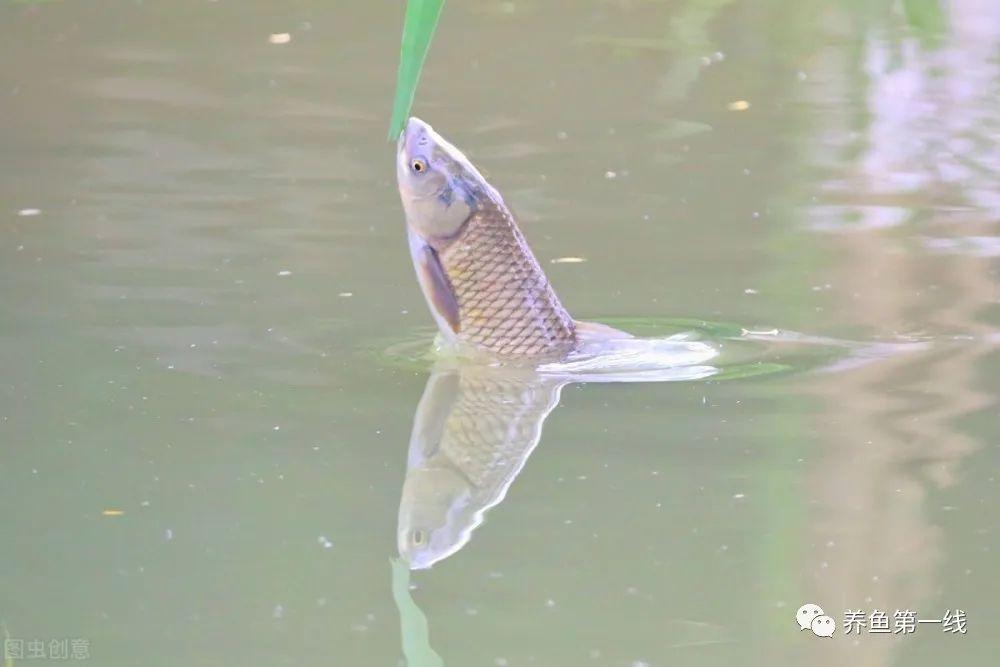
[414, 629]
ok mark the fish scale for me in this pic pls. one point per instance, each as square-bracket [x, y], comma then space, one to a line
[506, 303]
[492, 427]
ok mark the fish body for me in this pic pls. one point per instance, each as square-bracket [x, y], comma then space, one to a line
[483, 284]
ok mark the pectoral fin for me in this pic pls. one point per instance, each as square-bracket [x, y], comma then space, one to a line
[438, 288]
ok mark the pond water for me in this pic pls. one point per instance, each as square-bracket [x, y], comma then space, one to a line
[211, 339]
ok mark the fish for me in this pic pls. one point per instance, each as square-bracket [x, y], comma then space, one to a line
[473, 431]
[484, 287]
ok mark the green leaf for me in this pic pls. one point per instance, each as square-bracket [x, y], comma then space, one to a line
[418, 29]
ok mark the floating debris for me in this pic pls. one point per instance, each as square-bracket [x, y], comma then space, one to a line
[284, 273]
[112, 512]
[346, 295]
[280, 38]
[610, 175]
[738, 105]
[29, 212]
[568, 260]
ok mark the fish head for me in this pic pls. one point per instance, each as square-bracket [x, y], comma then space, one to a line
[438, 185]
[433, 516]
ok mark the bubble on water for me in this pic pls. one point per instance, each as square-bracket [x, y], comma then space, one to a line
[279, 38]
[278, 611]
[29, 212]
[284, 272]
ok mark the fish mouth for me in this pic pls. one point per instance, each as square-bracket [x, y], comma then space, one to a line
[413, 136]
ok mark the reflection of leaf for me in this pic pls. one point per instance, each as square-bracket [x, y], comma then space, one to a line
[926, 18]
[412, 621]
[418, 29]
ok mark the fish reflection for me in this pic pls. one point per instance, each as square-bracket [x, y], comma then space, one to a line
[473, 431]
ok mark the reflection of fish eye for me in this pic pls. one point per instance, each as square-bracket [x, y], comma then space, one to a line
[417, 537]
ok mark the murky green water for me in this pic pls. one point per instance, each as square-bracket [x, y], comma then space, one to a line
[207, 325]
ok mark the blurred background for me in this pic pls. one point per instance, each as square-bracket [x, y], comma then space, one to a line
[203, 437]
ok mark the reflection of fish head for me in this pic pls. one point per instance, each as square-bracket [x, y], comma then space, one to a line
[433, 515]
[472, 433]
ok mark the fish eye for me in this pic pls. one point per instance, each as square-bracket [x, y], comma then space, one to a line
[418, 165]
[418, 537]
